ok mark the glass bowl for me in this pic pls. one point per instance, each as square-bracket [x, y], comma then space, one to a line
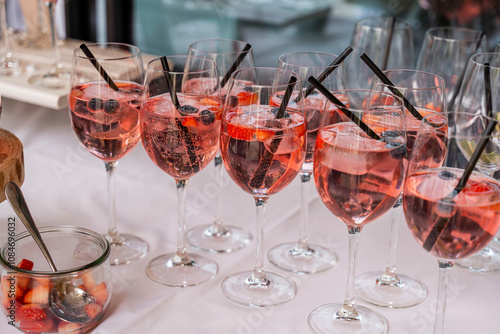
[81, 257]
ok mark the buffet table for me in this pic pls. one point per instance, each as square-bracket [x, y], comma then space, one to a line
[64, 184]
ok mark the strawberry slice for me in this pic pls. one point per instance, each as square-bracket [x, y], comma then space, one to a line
[474, 187]
[189, 121]
[88, 281]
[239, 132]
[30, 312]
[39, 326]
[209, 101]
[9, 287]
[246, 98]
[100, 293]
[93, 310]
[25, 264]
[38, 295]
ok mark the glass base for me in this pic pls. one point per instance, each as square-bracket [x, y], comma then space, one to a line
[164, 270]
[127, 249]
[485, 261]
[10, 67]
[325, 319]
[55, 79]
[230, 239]
[404, 291]
[275, 289]
[311, 259]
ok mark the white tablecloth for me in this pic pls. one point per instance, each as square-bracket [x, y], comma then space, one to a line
[66, 185]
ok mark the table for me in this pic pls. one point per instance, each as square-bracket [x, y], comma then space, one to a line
[66, 185]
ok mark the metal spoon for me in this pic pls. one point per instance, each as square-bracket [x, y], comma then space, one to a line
[66, 301]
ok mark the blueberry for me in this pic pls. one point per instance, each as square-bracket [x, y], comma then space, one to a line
[390, 134]
[447, 175]
[111, 107]
[95, 105]
[207, 117]
[187, 109]
[398, 150]
[275, 111]
[232, 101]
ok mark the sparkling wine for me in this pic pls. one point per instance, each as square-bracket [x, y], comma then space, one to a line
[358, 178]
[262, 154]
[180, 141]
[105, 121]
[467, 222]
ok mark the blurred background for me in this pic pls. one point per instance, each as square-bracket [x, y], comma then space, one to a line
[273, 27]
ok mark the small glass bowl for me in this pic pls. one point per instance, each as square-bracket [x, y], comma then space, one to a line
[81, 257]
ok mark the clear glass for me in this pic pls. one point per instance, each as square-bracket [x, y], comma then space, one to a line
[81, 257]
[263, 145]
[57, 77]
[218, 237]
[450, 218]
[302, 256]
[446, 51]
[348, 162]
[180, 128]
[472, 97]
[106, 122]
[9, 65]
[426, 93]
[373, 36]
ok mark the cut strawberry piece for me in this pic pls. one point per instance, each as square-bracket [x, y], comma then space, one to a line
[25, 264]
[263, 135]
[189, 121]
[209, 101]
[100, 293]
[93, 310]
[30, 312]
[68, 327]
[246, 98]
[88, 281]
[10, 288]
[474, 187]
[38, 295]
[239, 132]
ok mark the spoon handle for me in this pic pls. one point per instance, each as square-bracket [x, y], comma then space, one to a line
[17, 202]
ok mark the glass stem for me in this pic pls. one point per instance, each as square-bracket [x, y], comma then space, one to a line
[113, 236]
[217, 227]
[348, 311]
[181, 256]
[302, 245]
[258, 274]
[53, 31]
[444, 281]
[390, 276]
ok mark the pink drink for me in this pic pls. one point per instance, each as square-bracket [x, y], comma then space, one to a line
[180, 142]
[468, 223]
[412, 126]
[106, 122]
[262, 154]
[358, 178]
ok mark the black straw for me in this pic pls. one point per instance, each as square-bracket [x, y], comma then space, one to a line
[388, 42]
[267, 158]
[327, 71]
[442, 222]
[390, 85]
[487, 90]
[98, 67]
[462, 75]
[171, 89]
[343, 108]
[184, 132]
[235, 65]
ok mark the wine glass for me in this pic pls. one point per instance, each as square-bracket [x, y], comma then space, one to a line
[359, 172]
[57, 77]
[180, 128]
[302, 256]
[451, 210]
[446, 51]
[263, 144]
[387, 41]
[229, 55]
[104, 112]
[425, 92]
[9, 65]
[479, 95]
